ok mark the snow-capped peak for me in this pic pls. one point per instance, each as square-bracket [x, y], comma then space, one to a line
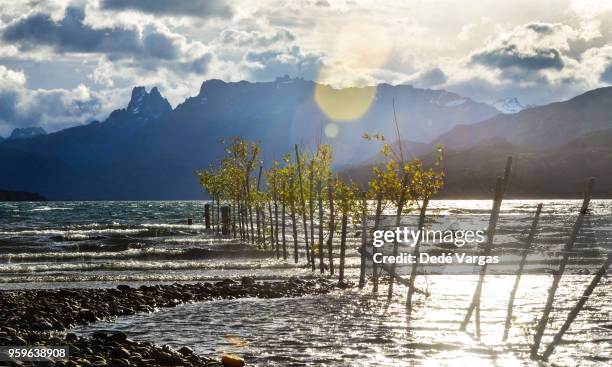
[508, 105]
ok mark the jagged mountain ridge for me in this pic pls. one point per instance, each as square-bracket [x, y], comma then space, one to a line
[149, 151]
[542, 127]
[26, 132]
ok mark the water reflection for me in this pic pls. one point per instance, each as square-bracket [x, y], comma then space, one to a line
[359, 329]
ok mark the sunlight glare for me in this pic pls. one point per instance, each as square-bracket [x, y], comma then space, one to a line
[360, 50]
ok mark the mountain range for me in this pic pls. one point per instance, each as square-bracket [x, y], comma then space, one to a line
[27, 132]
[149, 150]
[554, 147]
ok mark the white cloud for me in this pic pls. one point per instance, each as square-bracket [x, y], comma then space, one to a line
[51, 109]
[485, 50]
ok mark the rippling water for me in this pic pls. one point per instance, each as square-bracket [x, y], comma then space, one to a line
[92, 244]
[356, 329]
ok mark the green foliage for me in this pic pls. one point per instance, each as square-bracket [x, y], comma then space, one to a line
[397, 179]
[400, 179]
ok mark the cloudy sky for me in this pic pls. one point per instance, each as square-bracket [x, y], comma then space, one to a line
[65, 62]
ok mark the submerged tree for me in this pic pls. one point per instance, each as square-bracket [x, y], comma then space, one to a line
[406, 185]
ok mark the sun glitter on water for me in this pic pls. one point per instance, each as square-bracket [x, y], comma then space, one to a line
[359, 51]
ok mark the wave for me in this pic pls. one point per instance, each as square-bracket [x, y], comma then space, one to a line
[121, 278]
[93, 230]
[174, 226]
[48, 208]
[75, 233]
[131, 253]
[141, 265]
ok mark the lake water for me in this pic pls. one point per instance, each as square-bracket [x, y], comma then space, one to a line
[94, 244]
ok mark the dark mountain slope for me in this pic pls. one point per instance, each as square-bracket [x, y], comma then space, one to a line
[147, 151]
[540, 128]
[555, 173]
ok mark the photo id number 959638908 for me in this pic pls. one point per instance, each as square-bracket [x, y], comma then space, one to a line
[33, 353]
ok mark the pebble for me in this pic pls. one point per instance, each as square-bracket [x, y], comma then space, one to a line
[34, 317]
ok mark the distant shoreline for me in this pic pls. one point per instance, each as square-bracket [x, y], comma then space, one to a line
[7, 195]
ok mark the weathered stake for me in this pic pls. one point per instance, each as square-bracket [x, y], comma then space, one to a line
[225, 220]
[233, 212]
[284, 237]
[258, 209]
[303, 202]
[207, 216]
[577, 308]
[375, 249]
[500, 188]
[519, 273]
[311, 208]
[332, 226]
[413, 270]
[276, 242]
[272, 228]
[475, 303]
[398, 219]
[293, 222]
[342, 246]
[537, 339]
[320, 202]
[364, 229]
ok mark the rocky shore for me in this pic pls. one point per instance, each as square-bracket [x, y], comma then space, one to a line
[41, 317]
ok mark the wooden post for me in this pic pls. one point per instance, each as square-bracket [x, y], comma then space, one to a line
[233, 213]
[212, 214]
[218, 215]
[398, 219]
[251, 223]
[225, 220]
[257, 208]
[320, 200]
[284, 238]
[245, 230]
[276, 241]
[263, 226]
[272, 228]
[342, 245]
[415, 252]
[303, 202]
[293, 221]
[245, 220]
[475, 303]
[500, 188]
[258, 223]
[332, 225]
[364, 237]
[569, 246]
[207, 216]
[577, 308]
[311, 208]
[526, 248]
[375, 249]
[239, 214]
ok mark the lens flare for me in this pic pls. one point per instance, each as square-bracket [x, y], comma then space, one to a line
[331, 130]
[360, 51]
[346, 104]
